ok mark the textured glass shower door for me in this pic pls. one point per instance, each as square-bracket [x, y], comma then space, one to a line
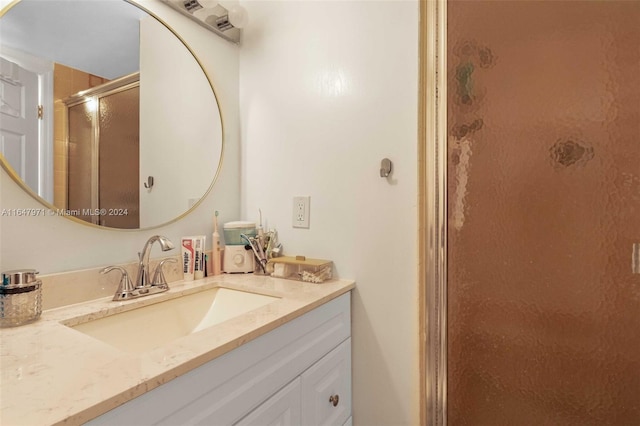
[119, 157]
[543, 209]
[103, 156]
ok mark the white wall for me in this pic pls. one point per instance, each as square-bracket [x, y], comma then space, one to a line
[328, 89]
[180, 128]
[52, 244]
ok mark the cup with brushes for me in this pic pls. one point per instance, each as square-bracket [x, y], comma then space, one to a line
[265, 246]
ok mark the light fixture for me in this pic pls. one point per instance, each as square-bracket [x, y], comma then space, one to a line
[201, 9]
[238, 16]
[224, 21]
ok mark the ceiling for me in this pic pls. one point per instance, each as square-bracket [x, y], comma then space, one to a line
[100, 37]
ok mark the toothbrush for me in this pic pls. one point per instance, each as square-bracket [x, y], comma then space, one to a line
[260, 232]
[215, 248]
[261, 242]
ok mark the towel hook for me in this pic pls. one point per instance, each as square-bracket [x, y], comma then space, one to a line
[149, 183]
[385, 167]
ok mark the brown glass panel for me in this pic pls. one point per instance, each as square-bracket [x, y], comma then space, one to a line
[543, 209]
[120, 159]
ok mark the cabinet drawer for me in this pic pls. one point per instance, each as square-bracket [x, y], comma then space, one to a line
[326, 388]
[281, 409]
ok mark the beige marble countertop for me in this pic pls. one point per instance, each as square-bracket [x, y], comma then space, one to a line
[52, 374]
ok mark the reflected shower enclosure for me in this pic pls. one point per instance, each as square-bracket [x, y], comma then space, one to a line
[101, 127]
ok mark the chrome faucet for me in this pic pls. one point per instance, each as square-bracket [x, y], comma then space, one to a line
[126, 290]
[142, 279]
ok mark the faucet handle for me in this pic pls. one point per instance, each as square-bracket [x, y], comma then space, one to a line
[158, 276]
[125, 288]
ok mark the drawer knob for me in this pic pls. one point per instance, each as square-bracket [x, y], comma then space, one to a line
[334, 399]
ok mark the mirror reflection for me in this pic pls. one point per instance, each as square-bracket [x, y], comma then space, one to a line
[105, 113]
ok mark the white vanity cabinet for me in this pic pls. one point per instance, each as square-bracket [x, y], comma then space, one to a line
[326, 388]
[320, 396]
[296, 374]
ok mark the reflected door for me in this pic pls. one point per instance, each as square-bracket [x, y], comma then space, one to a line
[19, 121]
[543, 211]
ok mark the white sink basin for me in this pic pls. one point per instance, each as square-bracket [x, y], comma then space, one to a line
[152, 326]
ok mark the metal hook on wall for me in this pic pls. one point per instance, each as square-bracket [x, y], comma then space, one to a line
[385, 167]
[149, 183]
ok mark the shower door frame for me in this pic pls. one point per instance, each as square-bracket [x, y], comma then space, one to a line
[432, 172]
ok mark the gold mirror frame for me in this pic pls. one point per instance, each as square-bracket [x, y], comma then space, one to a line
[18, 180]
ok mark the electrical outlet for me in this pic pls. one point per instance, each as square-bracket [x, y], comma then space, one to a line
[301, 212]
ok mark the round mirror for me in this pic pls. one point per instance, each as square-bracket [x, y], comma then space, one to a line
[106, 116]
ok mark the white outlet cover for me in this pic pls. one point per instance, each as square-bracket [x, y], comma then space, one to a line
[301, 212]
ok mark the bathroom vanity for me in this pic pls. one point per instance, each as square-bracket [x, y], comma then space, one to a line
[287, 360]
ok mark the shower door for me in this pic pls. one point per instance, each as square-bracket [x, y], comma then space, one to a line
[543, 210]
[103, 135]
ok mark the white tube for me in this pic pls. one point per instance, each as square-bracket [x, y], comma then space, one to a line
[198, 268]
[188, 255]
